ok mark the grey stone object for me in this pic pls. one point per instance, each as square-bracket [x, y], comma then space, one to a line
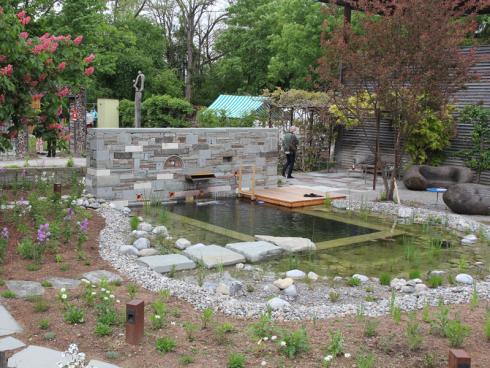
[141, 243]
[165, 263]
[213, 255]
[63, 282]
[256, 251]
[468, 199]
[421, 177]
[289, 244]
[8, 325]
[25, 289]
[129, 250]
[10, 343]
[148, 252]
[36, 356]
[277, 304]
[96, 277]
[98, 364]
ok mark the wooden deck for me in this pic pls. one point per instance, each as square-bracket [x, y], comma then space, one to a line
[289, 196]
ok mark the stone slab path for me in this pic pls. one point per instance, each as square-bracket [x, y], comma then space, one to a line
[25, 289]
[256, 251]
[35, 356]
[10, 343]
[96, 277]
[165, 263]
[61, 282]
[213, 255]
[98, 364]
[8, 325]
[289, 244]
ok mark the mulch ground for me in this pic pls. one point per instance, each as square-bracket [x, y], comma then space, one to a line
[389, 345]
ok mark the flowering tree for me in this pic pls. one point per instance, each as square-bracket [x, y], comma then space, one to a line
[36, 74]
[408, 61]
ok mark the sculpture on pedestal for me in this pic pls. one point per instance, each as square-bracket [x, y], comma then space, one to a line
[139, 86]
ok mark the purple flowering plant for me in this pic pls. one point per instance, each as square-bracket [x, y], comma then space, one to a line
[43, 233]
[82, 235]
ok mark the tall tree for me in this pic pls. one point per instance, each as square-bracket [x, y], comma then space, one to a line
[408, 60]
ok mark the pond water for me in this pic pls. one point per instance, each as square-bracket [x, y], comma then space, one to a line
[419, 248]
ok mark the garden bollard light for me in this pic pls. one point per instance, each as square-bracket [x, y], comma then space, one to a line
[459, 359]
[135, 321]
[57, 189]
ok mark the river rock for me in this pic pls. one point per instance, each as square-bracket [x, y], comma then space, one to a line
[128, 250]
[182, 243]
[270, 288]
[139, 234]
[141, 243]
[284, 283]
[213, 255]
[437, 273]
[464, 278]
[469, 239]
[362, 278]
[312, 276]
[230, 286]
[420, 288]
[296, 274]
[148, 252]
[160, 230]
[145, 226]
[291, 291]
[405, 212]
[277, 304]
[166, 263]
[289, 244]
[397, 284]
[25, 289]
[256, 251]
[408, 289]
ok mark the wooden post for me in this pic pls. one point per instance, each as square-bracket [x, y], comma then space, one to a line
[252, 184]
[240, 181]
[459, 359]
[135, 319]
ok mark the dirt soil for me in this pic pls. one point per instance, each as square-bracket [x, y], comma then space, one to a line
[389, 345]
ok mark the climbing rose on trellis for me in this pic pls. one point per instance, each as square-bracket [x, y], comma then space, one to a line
[46, 69]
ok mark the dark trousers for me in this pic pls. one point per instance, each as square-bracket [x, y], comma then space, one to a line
[288, 167]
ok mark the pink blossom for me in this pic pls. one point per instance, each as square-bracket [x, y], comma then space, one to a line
[34, 83]
[24, 35]
[2, 99]
[2, 58]
[37, 49]
[77, 41]
[7, 70]
[59, 111]
[42, 77]
[52, 48]
[44, 37]
[25, 21]
[37, 96]
[65, 91]
[61, 66]
[29, 42]
[55, 126]
[89, 58]
[49, 61]
[21, 15]
[1, 10]
[89, 71]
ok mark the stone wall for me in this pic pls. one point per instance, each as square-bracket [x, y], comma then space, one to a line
[151, 164]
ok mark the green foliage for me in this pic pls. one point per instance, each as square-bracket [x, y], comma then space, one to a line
[26, 248]
[477, 157]
[333, 296]
[370, 327]
[190, 329]
[132, 289]
[134, 222]
[112, 355]
[365, 360]
[236, 360]
[74, 315]
[166, 111]
[414, 274]
[430, 136]
[49, 336]
[44, 324]
[264, 327]
[165, 345]
[434, 281]
[413, 333]
[487, 328]
[186, 359]
[103, 330]
[41, 305]
[7, 294]
[207, 118]
[396, 314]
[206, 317]
[297, 342]
[336, 345]
[456, 333]
[385, 278]
[353, 281]
[126, 114]
[441, 321]
[222, 331]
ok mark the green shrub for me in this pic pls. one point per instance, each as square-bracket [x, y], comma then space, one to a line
[365, 360]
[264, 327]
[336, 345]
[414, 274]
[132, 289]
[396, 313]
[439, 324]
[414, 336]
[107, 315]
[26, 248]
[353, 281]
[44, 324]
[236, 360]
[487, 328]
[166, 111]
[189, 328]
[206, 317]
[74, 315]
[385, 279]
[7, 294]
[435, 281]
[49, 336]
[46, 284]
[112, 355]
[103, 330]
[370, 328]
[456, 332]
[222, 331]
[186, 359]
[207, 118]
[70, 162]
[165, 345]
[41, 305]
[134, 222]
[296, 342]
[333, 296]
[126, 114]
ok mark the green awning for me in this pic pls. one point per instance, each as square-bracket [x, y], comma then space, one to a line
[238, 106]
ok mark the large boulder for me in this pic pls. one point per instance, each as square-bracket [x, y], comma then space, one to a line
[468, 199]
[421, 177]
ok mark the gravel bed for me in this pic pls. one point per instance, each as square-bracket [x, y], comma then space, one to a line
[117, 231]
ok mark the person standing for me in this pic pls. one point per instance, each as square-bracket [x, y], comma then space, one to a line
[290, 146]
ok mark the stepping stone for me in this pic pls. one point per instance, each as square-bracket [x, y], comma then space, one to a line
[24, 289]
[96, 277]
[255, 251]
[165, 263]
[213, 255]
[8, 325]
[36, 356]
[97, 363]
[277, 304]
[10, 343]
[62, 282]
[289, 244]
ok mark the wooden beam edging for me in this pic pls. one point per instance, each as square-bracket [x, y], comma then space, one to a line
[350, 240]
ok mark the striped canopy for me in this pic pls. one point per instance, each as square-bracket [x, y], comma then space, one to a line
[238, 106]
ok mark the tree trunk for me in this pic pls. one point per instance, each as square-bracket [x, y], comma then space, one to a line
[396, 167]
[190, 61]
[376, 150]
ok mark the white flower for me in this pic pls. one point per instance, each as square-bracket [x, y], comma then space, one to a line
[172, 323]
[328, 358]
[108, 291]
[85, 281]
[259, 342]
[283, 343]
[63, 290]
[106, 298]
[94, 293]
[266, 338]
[347, 355]
[94, 286]
[157, 316]
[264, 363]
[111, 296]
[273, 338]
[102, 289]
[64, 296]
[118, 301]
